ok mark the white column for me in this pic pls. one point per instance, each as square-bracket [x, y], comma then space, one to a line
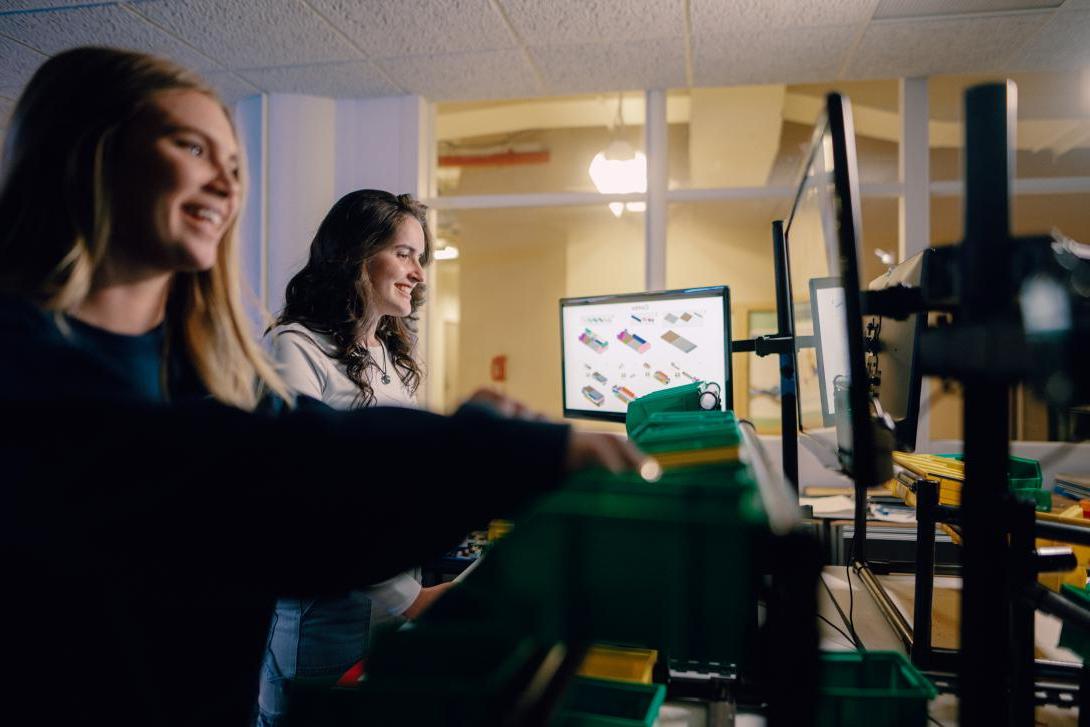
[250, 117]
[657, 163]
[914, 211]
[300, 168]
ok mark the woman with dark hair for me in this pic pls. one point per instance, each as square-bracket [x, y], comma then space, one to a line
[347, 337]
[150, 448]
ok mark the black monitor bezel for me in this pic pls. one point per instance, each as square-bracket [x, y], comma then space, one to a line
[711, 291]
[837, 120]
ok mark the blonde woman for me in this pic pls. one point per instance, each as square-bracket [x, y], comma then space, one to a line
[141, 483]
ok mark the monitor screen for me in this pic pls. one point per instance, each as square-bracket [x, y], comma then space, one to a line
[822, 239]
[892, 368]
[617, 348]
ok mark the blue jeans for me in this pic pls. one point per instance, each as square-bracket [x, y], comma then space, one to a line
[314, 640]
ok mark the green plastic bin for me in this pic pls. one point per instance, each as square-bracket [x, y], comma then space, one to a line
[1024, 479]
[464, 673]
[603, 703]
[871, 688]
[675, 573]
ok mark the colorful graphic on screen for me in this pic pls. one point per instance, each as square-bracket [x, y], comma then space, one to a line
[616, 347]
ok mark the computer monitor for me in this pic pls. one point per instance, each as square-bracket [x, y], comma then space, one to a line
[822, 240]
[892, 353]
[617, 348]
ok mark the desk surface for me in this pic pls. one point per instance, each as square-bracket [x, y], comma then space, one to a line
[875, 633]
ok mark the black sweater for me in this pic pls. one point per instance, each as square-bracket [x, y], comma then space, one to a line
[143, 545]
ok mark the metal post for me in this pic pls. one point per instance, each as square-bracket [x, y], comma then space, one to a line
[1023, 576]
[927, 500]
[785, 326]
[985, 295]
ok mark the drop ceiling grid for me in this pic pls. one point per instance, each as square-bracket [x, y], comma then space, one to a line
[916, 8]
[392, 28]
[1063, 43]
[465, 76]
[606, 67]
[954, 45]
[252, 33]
[352, 79]
[587, 22]
[55, 30]
[790, 55]
[740, 17]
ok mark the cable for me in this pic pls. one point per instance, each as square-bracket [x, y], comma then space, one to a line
[932, 719]
[851, 598]
[839, 631]
[856, 641]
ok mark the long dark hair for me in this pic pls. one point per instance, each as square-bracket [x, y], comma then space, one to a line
[332, 293]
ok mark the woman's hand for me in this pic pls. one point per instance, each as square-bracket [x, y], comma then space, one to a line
[612, 451]
[425, 599]
[504, 405]
[585, 449]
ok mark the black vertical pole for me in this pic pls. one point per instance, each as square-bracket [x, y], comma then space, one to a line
[785, 327]
[1023, 575]
[927, 502]
[985, 296]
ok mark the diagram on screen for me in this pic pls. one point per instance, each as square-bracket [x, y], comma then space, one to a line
[684, 318]
[637, 344]
[595, 344]
[680, 341]
[621, 352]
[593, 395]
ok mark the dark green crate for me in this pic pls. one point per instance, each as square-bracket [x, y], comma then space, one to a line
[670, 573]
[603, 703]
[871, 688]
[459, 673]
[1024, 479]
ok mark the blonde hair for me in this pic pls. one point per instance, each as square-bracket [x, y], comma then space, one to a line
[56, 202]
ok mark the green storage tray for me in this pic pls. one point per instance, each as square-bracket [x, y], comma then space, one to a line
[591, 702]
[1024, 479]
[463, 673]
[675, 431]
[669, 573]
[871, 688]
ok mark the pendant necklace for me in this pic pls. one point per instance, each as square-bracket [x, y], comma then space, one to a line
[385, 376]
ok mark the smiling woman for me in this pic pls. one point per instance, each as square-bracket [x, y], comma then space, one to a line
[151, 448]
[347, 337]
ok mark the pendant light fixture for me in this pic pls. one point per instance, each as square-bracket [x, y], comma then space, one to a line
[619, 168]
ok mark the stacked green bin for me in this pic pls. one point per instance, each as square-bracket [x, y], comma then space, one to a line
[603, 703]
[871, 688]
[469, 673]
[1024, 479]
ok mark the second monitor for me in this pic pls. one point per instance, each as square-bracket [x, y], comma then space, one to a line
[617, 348]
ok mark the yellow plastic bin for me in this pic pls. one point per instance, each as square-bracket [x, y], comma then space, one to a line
[619, 663]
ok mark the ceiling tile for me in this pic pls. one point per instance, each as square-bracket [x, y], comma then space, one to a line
[1064, 44]
[56, 30]
[21, 5]
[230, 85]
[465, 76]
[569, 22]
[17, 63]
[656, 63]
[788, 55]
[252, 33]
[922, 48]
[387, 28]
[355, 79]
[742, 16]
[916, 8]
